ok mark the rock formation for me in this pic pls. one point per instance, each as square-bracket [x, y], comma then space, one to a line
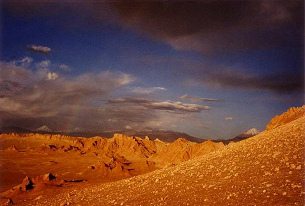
[267, 169]
[293, 113]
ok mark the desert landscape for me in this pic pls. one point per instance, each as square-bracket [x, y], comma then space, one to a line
[266, 169]
[155, 102]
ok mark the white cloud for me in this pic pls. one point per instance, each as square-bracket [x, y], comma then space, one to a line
[147, 90]
[29, 96]
[179, 106]
[228, 118]
[52, 76]
[198, 99]
[39, 48]
[83, 102]
[125, 79]
[161, 105]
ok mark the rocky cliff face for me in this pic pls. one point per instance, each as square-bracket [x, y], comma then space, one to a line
[292, 114]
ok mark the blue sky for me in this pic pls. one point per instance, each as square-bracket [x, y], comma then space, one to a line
[128, 65]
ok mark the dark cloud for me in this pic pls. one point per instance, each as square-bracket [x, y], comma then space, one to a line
[209, 27]
[225, 27]
[39, 49]
[285, 82]
[161, 105]
[215, 26]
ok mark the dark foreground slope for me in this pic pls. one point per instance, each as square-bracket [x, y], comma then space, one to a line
[267, 169]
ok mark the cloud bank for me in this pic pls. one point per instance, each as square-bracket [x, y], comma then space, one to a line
[36, 96]
[161, 105]
[216, 26]
[210, 28]
[43, 94]
[282, 82]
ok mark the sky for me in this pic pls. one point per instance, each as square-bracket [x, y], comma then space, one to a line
[212, 69]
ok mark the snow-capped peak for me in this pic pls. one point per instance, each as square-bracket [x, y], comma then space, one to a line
[252, 131]
[44, 128]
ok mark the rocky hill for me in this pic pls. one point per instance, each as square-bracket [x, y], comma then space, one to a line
[292, 114]
[95, 159]
[267, 169]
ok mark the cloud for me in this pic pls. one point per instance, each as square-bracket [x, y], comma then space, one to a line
[23, 62]
[216, 26]
[9, 88]
[198, 99]
[39, 49]
[64, 67]
[44, 64]
[228, 118]
[206, 26]
[282, 82]
[147, 90]
[52, 76]
[31, 97]
[160, 105]
[28, 99]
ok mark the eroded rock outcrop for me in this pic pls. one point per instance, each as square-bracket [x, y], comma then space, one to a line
[292, 113]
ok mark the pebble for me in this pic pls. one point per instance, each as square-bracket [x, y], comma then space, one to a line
[298, 167]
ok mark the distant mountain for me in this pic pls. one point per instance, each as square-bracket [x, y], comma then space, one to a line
[166, 135]
[44, 128]
[249, 133]
[163, 135]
